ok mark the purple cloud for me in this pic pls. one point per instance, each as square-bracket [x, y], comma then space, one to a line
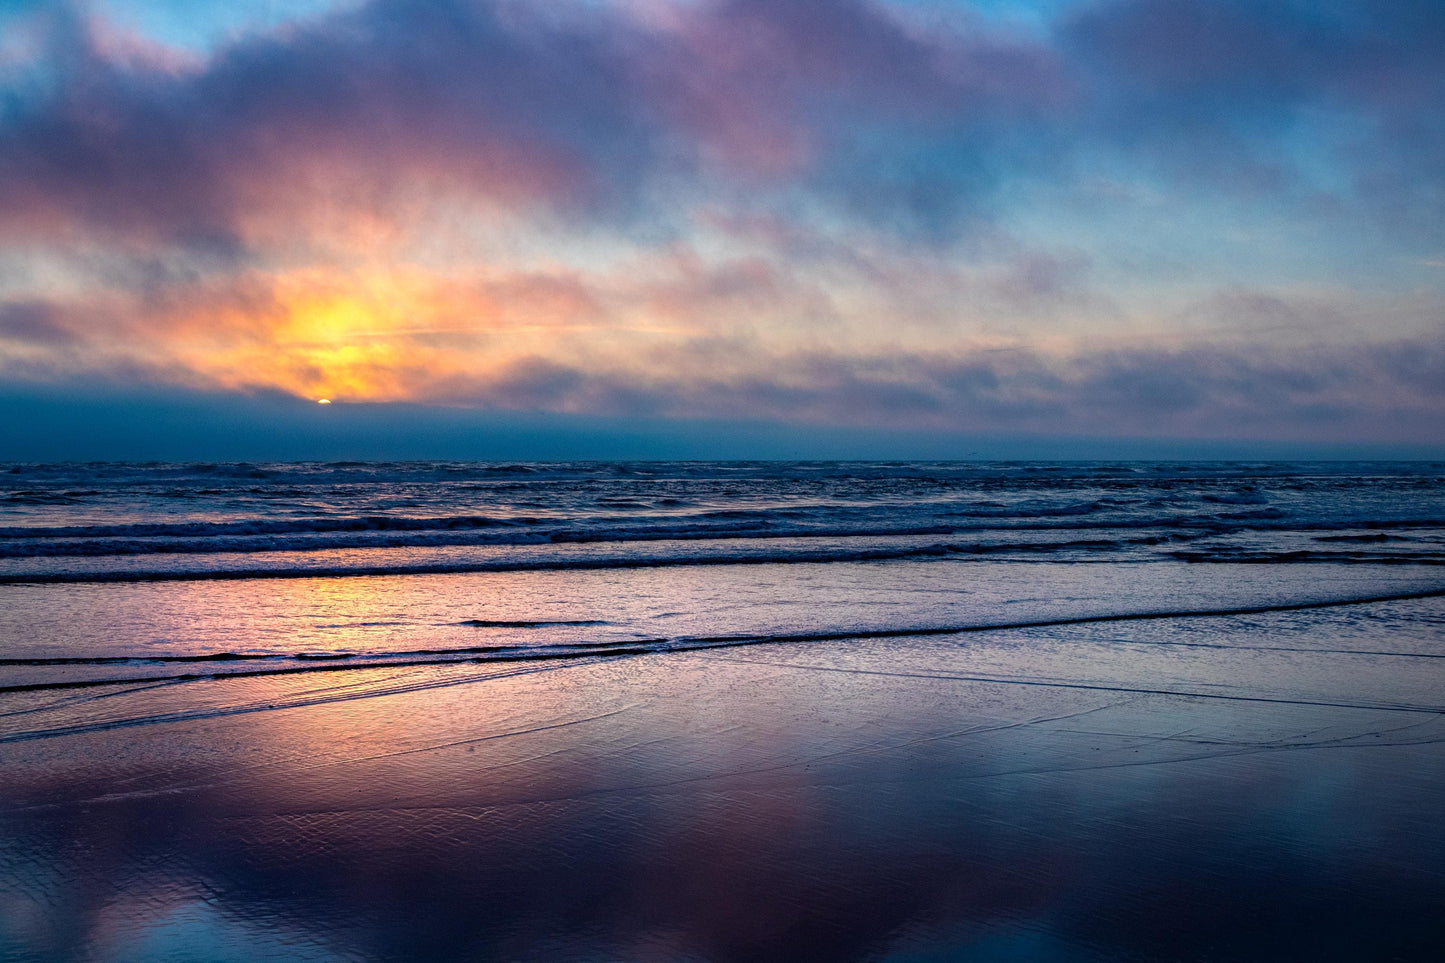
[577, 108]
[1386, 392]
[34, 323]
[790, 182]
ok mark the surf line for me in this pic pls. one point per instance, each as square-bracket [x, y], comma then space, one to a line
[704, 643]
[296, 670]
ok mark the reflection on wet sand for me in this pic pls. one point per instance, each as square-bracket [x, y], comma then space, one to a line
[873, 798]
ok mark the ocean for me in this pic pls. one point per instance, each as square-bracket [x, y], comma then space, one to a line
[918, 710]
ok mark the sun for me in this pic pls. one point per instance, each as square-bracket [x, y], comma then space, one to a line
[323, 401]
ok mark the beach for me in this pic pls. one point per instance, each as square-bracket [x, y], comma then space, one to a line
[722, 480]
[849, 739]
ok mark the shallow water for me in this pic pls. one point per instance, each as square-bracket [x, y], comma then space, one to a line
[1105, 753]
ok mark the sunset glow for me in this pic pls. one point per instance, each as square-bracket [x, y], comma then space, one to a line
[1145, 218]
[722, 480]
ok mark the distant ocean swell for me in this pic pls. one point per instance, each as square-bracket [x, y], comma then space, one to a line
[1077, 551]
[190, 522]
[312, 535]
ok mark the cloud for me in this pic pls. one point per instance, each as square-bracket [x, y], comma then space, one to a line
[1391, 392]
[32, 322]
[353, 111]
[869, 340]
[904, 122]
[578, 107]
[1276, 98]
[846, 212]
[365, 118]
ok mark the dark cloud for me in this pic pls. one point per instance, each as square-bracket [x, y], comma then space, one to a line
[1256, 97]
[33, 322]
[908, 124]
[819, 135]
[574, 107]
[1249, 55]
[350, 111]
[1392, 392]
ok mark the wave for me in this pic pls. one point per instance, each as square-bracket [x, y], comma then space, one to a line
[1248, 557]
[745, 551]
[330, 534]
[827, 519]
[257, 526]
[201, 521]
[271, 664]
[805, 552]
[531, 624]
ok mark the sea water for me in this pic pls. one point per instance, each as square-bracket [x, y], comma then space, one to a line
[907, 710]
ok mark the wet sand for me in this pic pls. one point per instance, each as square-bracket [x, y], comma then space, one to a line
[1229, 787]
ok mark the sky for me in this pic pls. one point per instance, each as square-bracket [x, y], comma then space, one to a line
[770, 228]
